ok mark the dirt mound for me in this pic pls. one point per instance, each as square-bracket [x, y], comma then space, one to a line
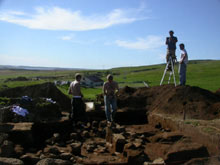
[47, 90]
[218, 92]
[196, 102]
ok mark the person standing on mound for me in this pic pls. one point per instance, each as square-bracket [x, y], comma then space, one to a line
[183, 64]
[171, 47]
[78, 106]
[110, 88]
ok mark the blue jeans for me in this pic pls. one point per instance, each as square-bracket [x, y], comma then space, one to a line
[183, 74]
[110, 107]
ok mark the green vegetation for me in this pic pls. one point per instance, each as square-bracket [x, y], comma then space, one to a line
[201, 73]
[209, 130]
[4, 101]
[194, 123]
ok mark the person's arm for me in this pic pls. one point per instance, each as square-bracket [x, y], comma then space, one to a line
[176, 40]
[104, 89]
[167, 40]
[70, 90]
[116, 89]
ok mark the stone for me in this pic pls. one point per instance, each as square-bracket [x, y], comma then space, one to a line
[159, 161]
[100, 149]
[85, 134]
[19, 150]
[51, 149]
[185, 150]
[137, 157]
[51, 161]
[7, 149]
[95, 124]
[10, 161]
[167, 137]
[65, 156]
[88, 147]
[30, 158]
[102, 124]
[56, 137]
[3, 137]
[108, 135]
[118, 142]
[76, 148]
[75, 136]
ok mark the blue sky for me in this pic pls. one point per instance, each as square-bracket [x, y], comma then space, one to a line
[101, 34]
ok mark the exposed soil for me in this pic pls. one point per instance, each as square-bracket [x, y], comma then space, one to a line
[196, 102]
[47, 90]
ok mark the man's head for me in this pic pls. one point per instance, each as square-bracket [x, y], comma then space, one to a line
[110, 78]
[182, 46]
[78, 76]
[171, 33]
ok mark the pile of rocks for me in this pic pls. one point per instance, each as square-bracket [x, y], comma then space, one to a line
[94, 143]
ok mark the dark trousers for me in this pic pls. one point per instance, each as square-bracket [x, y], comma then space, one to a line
[183, 74]
[78, 110]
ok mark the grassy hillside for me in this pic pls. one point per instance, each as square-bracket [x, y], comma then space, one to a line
[201, 73]
[204, 74]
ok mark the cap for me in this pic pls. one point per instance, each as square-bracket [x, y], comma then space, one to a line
[109, 76]
[78, 75]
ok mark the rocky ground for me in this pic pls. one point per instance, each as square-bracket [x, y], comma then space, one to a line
[158, 125]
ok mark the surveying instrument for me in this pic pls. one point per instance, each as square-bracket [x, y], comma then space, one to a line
[170, 62]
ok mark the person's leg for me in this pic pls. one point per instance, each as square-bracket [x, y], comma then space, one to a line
[182, 70]
[114, 107]
[73, 111]
[184, 74]
[82, 111]
[107, 108]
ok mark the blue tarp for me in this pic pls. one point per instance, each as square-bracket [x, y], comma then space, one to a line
[20, 111]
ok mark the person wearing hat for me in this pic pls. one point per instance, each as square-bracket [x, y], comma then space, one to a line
[110, 88]
[171, 47]
[78, 107]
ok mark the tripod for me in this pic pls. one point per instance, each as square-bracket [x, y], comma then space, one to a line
[170, 62]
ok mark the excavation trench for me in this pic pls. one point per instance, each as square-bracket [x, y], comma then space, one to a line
[149, 125]
[152, 138]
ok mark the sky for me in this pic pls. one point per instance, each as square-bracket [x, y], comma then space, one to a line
[103, 34]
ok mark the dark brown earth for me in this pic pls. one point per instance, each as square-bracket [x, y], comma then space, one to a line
[196, 102]
[132, 140]
[46, 90]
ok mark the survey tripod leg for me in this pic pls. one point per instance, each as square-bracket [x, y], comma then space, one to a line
[164, 73]
[170, 61]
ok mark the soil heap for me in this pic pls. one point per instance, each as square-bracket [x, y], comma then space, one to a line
[46, 90]
[167, 99]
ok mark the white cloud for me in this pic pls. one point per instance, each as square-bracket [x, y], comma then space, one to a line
[66, 38]
[148, 43]
[57, 18]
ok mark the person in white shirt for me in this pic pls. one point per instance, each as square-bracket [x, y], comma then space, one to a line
[183, 64]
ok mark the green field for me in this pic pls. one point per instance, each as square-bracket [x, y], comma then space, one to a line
[201, 73]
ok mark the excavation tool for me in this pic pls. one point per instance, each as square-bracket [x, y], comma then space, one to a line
[169, 67]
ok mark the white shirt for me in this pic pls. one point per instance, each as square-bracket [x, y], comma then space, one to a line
[184, 56]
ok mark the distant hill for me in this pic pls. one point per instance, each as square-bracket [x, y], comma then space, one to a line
[12, 67]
